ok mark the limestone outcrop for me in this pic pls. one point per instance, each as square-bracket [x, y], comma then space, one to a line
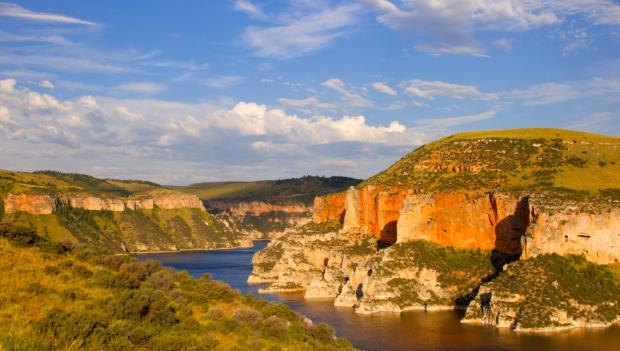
[241, 208]
[35, 203]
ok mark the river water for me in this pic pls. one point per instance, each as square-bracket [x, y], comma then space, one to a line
[414, 330]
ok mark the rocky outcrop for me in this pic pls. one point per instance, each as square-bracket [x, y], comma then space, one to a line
[241, 208]
[374, 210]
[465, 220]
[329, 207]
[29, 203]
[566, 231]
[34, 203]
[548, 293]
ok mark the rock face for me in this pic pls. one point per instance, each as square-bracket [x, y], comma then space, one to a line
[46, 204]
[241, 208]
[596, 236]
[29, 203]
[374, 210]
[465, 220]
[329, 207]
[480, 220]
[259, 219]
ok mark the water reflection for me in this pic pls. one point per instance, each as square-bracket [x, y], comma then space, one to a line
[440, 330]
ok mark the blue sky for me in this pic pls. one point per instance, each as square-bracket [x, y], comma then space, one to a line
[263, 89]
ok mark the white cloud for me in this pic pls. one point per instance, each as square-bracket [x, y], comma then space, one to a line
[301, 33]
[594, 121]
[14, 10]
[431, 89]
[455, 121]
[558, 92]
[249, 8]
[46, 84]
[307, 104]
[223, 82]
[123, 111]
[348, 96]
[142, 87]
[504, 44]
[448, 27]
[383, 88]
[7, 85]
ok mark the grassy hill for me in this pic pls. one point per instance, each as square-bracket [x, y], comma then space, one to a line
[560, 162]
[55, 182]
[61, 297]
[302, 189]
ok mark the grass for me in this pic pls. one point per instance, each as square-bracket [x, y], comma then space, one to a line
[78, 299]
[554, 162]
[302, 189]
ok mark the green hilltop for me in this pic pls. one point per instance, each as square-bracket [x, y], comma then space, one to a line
[558, 162]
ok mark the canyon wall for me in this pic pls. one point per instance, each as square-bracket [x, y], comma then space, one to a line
[479, 220]
[46, 204]
[241, 208]
[330, 207]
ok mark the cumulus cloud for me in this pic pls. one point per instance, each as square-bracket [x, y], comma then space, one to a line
[348, 96]
[196, 136]
[302, 32]
[383, 88]
[16, 11]
[431, 89]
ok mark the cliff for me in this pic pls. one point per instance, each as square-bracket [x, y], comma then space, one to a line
[34, 203]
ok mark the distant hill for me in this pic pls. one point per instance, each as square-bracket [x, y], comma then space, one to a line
[302, 189]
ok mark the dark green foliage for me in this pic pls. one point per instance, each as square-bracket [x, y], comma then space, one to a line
[294, 190]
[64, 329]
[27, 237]
[83, 224]
[611, 194]
[1, 208]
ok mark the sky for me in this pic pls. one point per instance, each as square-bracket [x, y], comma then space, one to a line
[182, 92]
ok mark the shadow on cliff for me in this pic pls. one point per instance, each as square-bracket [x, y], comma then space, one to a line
[508, 234]
[388, 235]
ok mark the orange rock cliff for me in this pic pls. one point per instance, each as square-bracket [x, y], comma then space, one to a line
[473, 220]
[46, 204]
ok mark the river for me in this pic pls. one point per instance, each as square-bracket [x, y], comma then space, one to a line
[414, 330]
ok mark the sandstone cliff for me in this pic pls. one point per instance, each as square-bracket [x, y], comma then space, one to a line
[34, 203]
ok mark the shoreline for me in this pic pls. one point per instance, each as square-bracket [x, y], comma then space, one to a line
[189, 250]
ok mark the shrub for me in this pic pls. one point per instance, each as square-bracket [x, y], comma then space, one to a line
[215, 313]
[246, 315]
[69, 329]
[275, 327]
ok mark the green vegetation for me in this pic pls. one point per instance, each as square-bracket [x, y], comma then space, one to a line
[459, 271]
[61, 297]
[552, 282]
[560, 164]
[56, 182]
[297, 190]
